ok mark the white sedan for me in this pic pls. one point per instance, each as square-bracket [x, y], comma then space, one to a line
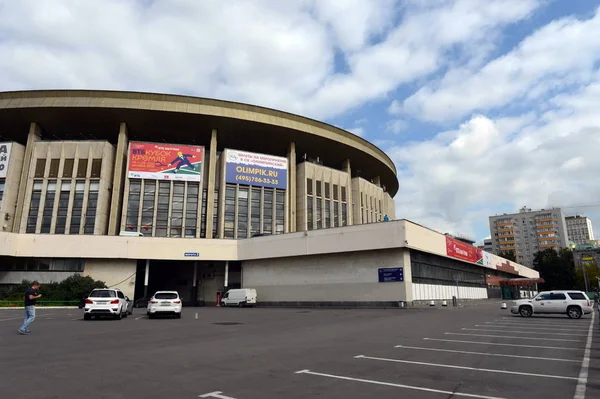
[165, 303]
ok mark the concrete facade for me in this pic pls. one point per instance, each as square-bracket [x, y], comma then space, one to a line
[10, 184]
[579, 229]
[528, 232]
[116, 273]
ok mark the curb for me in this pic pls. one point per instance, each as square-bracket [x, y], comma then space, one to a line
[40, 307]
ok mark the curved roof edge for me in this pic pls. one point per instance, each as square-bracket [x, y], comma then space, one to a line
[183, 99]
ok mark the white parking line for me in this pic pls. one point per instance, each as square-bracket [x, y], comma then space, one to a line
[545, 320]
[511, 337]
[498, 344]
[389, 384]
[522, 332]
[583, 373]
[490, 324]
[13, 318]
[141, 317]
[38, 316]
[450, 366]
[533, 323]
[486, 354]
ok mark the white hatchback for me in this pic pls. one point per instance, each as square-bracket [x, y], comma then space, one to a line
[164, 302]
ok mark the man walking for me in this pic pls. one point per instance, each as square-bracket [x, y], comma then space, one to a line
[31, 297]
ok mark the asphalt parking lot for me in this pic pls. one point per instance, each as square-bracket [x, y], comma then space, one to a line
[476, 352]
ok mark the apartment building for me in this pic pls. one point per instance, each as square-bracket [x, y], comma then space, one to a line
[579, 229]
[528, 232]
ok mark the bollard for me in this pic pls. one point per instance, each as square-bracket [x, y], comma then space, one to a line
[503, 305]
[431, 303]
[196, 315]
[454, 301]
[444, 303]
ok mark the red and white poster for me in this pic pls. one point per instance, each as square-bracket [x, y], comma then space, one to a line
[165, 161]
[460, 250]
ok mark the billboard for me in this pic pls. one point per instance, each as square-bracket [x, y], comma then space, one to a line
[160, 161]
[460, 250]
[4, 158]
[254, 169]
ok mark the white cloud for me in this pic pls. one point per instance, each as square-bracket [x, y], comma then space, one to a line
[396, 126]
[460, 178]
[558, 55]
[275, 53]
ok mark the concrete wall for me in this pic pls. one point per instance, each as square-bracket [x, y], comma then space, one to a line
[422, 292]
[116, 273]
[8, 205]
[371, 211]
[347, 277]
[44, 277]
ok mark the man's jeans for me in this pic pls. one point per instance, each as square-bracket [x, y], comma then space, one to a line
[29, 317]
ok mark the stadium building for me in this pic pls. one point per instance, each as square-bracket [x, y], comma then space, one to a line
[151, 191]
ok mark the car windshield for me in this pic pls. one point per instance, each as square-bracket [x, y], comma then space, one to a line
[103, 294]
[165, 295]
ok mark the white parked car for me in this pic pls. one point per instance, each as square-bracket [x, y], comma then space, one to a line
[164, 302]
[570, 302]
[106, 302]
[239, 297]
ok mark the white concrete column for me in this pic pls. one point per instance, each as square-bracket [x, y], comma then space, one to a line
[146, 277]
[226, 274]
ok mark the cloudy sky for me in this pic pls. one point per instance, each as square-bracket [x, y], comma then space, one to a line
[485, 106]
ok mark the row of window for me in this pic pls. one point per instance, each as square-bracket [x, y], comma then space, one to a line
[27, 264]
[68, 168]
[70, 196]
[167, 208]
[326, 190]
[253, 210]
[327, 213]
[2, 185]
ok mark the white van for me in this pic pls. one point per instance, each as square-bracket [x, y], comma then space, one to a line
[239, 297]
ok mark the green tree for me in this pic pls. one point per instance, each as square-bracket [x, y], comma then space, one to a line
[557, 268]
[72, 288]
[510, 255]
[591, 273]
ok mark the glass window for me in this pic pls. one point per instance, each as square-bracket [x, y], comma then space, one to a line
[229, 219]
[96, 167]
[40, 165]
[344, 214]
[82, 168]
[92, 204]
[133, 205]
[216, 214]
[77, 209]
[63, 207]
[68, 168]
[48, 207]
[280, 212]
[162, 208]
[34, 206]
[335, 192]
[54, 164]
[177, 209]
[255, 212]
[309, 186]
[309, 213]
[318, 188]
[327, 213]
[327, 192]
[319, 220]
[557, 297]
[336, 214]
[268, 211]
[242, 208]
[343, 194]
[148, 206]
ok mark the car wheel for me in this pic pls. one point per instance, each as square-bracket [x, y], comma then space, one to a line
[150, 316]
[178, 315]
[574, 312]
[119, 315]
[525, 311]
[87, 317]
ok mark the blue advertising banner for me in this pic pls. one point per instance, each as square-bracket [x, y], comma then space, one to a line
[254, 169]
[392, 274]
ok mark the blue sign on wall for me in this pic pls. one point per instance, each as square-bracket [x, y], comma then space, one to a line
[251, 169]
[391, 274]
[191, 254]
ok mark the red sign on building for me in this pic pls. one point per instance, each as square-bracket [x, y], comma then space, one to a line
[460, 250]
